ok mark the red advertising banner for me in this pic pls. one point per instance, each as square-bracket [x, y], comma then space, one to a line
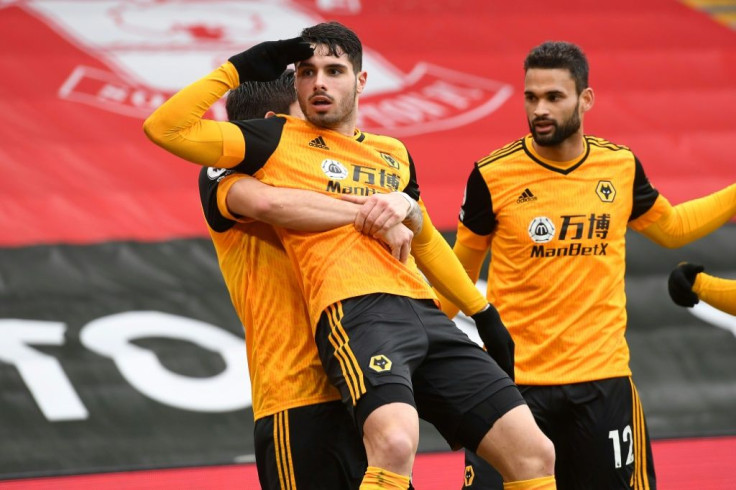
[445, 76]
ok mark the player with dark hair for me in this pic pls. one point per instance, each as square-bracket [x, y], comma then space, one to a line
[381, 338]
[251, 100]
[688, 285]
[300, 423]
[553, 208]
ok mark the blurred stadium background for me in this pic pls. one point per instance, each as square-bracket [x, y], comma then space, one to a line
[121, 361]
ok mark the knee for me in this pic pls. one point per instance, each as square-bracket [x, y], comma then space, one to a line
[535, 459]
[391, 437]
[543, 457]
[392, 444]
[517, 448]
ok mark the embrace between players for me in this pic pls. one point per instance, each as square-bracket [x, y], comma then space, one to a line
[346, 342]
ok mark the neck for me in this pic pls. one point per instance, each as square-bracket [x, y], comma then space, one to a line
[568, 150]
[347, 126]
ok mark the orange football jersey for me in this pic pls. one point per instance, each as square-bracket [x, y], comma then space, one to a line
[340, 263]
[556, 232]
[285, 369]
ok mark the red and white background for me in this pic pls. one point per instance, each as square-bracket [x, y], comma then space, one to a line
[120, 355]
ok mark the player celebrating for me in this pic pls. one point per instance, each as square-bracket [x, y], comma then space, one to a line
[380, 336]
[553, 208]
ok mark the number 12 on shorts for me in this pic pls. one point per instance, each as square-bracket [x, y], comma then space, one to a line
[626, 436]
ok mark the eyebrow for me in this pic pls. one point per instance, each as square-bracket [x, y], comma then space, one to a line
[331, 65]
[548, 92]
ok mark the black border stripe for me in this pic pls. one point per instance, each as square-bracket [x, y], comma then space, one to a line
[500, 153]
[555, 169]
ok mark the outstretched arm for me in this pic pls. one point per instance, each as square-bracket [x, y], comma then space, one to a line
[718, 292]
[688, 285]
[679, 225]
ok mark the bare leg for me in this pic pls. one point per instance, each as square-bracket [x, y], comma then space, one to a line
[391, 437]
[517, 448]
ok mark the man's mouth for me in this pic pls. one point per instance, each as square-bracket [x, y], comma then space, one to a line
[320, 101]
[544, 126]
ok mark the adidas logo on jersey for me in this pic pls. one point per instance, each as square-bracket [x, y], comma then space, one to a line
[318, 142]
[526, 196]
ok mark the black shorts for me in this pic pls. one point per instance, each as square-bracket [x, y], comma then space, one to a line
[371, 346]
[309, 448]
[599, 432]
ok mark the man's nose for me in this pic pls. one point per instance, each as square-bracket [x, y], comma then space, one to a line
[319, 81]
[541, 109]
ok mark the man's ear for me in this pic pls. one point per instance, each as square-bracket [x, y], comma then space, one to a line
[361, 79]
[587, 98]
[269, 114]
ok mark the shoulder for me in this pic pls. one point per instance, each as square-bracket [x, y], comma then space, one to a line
[380, 140]
[508, 151]
[596, 142]
[385, 144]
[269, 124]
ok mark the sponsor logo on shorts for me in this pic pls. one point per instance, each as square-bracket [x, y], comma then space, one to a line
[380, 363]
[469, 476]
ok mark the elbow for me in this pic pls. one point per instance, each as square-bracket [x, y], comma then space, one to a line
[150, 129]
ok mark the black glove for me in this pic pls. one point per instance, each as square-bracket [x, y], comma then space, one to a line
[496, 338]
[268, 60]
[680, 284]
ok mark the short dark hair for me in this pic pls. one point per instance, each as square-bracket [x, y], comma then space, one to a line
[252, 100]
[560, 54]
[337, 38]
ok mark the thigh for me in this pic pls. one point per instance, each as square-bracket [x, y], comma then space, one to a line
[458, 387]
[311, 447]
[546, 404]
[610, 446]
[369, 341]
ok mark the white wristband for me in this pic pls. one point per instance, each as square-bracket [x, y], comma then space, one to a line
[411, 202]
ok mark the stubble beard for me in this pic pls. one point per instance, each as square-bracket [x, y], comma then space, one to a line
[335, 118]
[561, 132]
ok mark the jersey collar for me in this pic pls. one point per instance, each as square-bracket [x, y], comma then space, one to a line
[560, 167]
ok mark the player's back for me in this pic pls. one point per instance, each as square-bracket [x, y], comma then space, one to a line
[284, 366]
